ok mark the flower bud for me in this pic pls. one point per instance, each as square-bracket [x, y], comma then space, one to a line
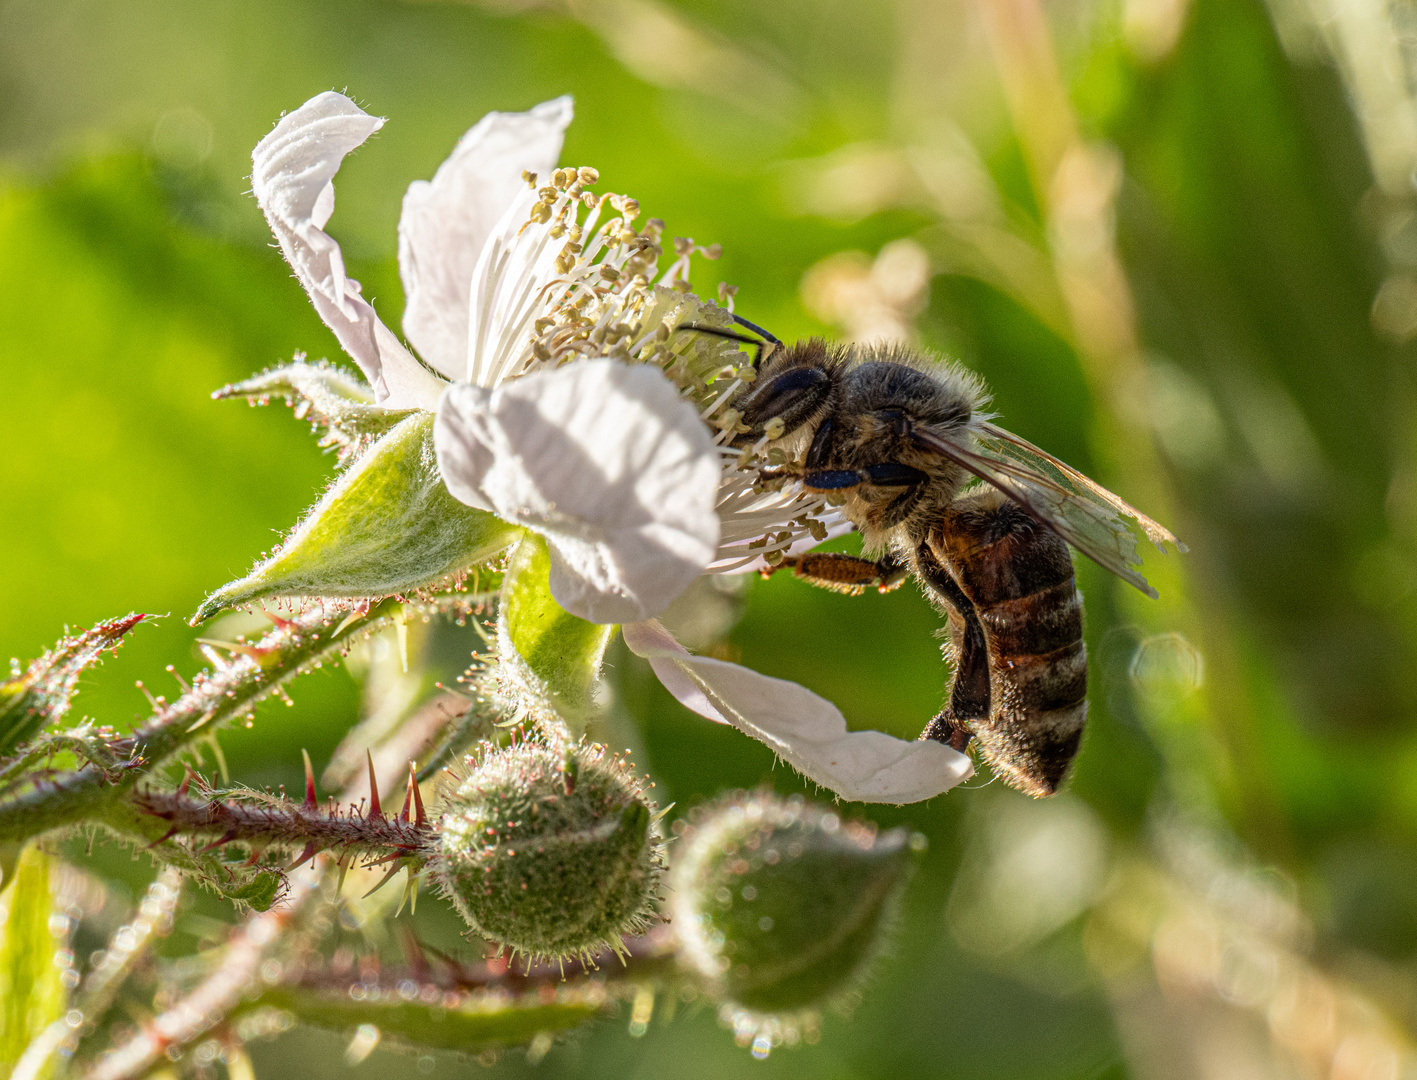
[550, 852]
[779, 906]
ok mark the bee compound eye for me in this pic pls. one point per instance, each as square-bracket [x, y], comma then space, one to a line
[791, 397]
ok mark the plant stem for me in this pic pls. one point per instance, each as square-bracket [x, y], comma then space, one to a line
[292, 647]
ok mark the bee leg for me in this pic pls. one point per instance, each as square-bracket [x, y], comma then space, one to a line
[944, 728]
[848, 574]
[969, 694]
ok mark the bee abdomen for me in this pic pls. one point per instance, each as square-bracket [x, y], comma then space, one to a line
[1018, 578]
[1034, 625]
[1038, 672]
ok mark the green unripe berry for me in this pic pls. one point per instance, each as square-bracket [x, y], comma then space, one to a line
[550, 852]
[779, 906]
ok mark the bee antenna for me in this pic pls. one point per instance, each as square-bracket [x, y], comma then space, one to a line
[756, 329]
[760, 347]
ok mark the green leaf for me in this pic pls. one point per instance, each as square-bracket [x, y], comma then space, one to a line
[481, 1019]
[31, 993]
[552, 653]
[386, 527]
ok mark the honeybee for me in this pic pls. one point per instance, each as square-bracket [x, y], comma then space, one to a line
[981, 518]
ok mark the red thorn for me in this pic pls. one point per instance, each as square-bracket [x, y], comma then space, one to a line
[420, 818]
[384, 881]
[310, 801]
[165, 836]
[375, 810]
[230, 835]
[282, 624]
[305, 856]
[186, 779]
[399, 854]
[408, 796]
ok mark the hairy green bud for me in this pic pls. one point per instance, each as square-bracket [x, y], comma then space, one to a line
[550, 852]
[779, 907]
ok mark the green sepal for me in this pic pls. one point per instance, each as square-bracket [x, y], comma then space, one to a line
[387, 527]
[259, 893]
[40, 695]
[326, 396]
[552, 653]
[31, 990]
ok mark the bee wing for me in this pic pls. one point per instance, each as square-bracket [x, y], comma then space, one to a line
[1081, 511]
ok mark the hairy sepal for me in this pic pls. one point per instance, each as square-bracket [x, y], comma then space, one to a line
[41, 694]
[387, 527]
[551, 658]
[335, 402]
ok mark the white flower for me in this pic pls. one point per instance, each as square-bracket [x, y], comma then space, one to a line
[566, 402]
[806, 731]
[605, 461]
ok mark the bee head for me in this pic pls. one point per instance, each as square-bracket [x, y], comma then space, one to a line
[796, 387]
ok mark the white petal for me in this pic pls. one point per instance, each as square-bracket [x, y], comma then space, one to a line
[292, 172]
[446, 222]
[463, 438]
[603, 459]
[806, 731]
[510, 289]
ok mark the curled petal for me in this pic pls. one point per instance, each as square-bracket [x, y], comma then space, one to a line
[604, 460]
[806, 731]
[446, 222]
[292, 172]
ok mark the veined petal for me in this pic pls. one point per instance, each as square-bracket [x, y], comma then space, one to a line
[292, 172]
[446, 222]
[603, 459]
[464, 434]
[806, 731]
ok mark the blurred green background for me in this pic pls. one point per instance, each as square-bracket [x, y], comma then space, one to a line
[1177, 238]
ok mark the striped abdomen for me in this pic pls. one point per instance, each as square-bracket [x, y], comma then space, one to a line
[1020, 681]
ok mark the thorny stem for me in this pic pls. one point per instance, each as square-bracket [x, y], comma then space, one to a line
[214, 998]
[279, 823]
[214, 699]
[128, 945]
[235, 973]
